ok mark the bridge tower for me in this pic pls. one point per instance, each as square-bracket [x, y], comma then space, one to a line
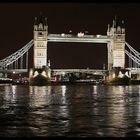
[116, 46]
[41, 69]
[40, 42]
[117, 74]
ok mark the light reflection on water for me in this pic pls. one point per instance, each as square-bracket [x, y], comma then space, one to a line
[72, 110]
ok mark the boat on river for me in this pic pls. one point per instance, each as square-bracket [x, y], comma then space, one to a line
[6, 81]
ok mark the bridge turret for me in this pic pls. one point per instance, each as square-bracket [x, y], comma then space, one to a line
[123, 28]
[35, 24]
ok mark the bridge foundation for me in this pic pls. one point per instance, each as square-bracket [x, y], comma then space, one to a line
[118, 76]
[40, 76]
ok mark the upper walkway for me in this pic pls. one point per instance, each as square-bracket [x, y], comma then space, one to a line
[76, 38]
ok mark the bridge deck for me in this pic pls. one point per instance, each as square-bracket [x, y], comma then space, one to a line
[95, 71]
[90, 71]
[74, 38]
[59, 71]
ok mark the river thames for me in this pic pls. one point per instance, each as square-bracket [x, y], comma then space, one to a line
[69, 111]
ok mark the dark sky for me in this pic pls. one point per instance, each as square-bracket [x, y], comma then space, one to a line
[16, 29]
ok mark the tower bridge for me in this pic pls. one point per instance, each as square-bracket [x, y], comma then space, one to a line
[117, 48]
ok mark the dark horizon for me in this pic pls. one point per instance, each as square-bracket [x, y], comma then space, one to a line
[17, 29]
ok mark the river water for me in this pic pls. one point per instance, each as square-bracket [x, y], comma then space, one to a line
[69, 111]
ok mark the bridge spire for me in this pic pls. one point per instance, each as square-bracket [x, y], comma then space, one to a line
[116, 24]
[35, 21]
[113, 25]
[108, 29]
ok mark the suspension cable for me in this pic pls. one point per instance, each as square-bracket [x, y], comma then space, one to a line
[15, 56]
[133, 50]
[134, 58]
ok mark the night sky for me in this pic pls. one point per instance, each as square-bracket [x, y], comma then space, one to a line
[16, 29]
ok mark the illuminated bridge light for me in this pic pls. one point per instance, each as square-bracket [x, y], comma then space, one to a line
[35, 74]
[14, 72]
[127, 74]
[31, 72]
[120, 75]
[114, 75]
[44, 73]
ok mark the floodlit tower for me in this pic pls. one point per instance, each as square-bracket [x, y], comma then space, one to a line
[40, 74]
[40, 42]
[116, 47]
